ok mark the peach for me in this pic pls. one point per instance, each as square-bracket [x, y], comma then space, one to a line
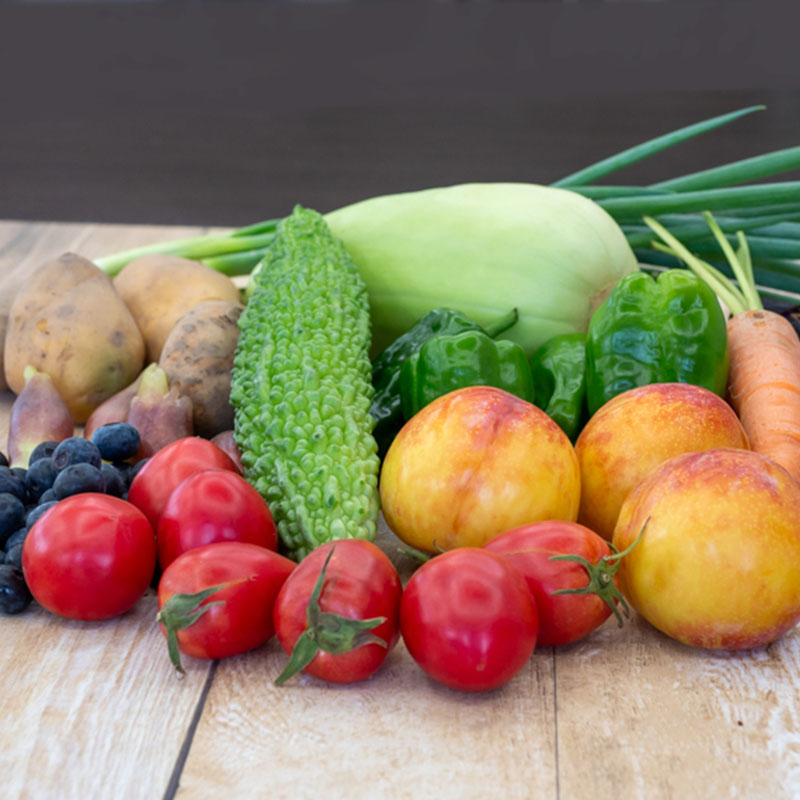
[718, 564]
[473, 464]
[639, 429]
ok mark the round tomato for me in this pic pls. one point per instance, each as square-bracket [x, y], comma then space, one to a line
[231, 619]
[563, 618]
[89, 557]
[213, 506]
[170, 466]
[468, 619]
[338, 612]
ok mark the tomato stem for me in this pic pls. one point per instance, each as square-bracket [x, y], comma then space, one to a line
[181, 611]
[331, 633]
[601, 577]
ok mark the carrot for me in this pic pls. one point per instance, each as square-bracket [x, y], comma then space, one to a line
[764, 351]
[764, 384]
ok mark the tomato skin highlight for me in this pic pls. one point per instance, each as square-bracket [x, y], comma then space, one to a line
[564, 618]
[468, 619]
[361, 583]
[243, 619]
[168, 468]
[89, 557]
[213, 506]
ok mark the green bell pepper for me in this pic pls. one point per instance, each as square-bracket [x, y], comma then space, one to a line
[656, 331]
[559, 378]
[472, 358]
[386, 406]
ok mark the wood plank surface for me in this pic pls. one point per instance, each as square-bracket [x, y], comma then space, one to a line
[94, 710]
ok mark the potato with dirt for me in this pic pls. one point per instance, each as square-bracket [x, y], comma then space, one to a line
[198, 359]
[160, 289]
[69, 322]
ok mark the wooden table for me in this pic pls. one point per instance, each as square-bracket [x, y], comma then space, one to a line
[94, 710]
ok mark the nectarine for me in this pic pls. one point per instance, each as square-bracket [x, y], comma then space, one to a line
[472, 464]
[639, 429]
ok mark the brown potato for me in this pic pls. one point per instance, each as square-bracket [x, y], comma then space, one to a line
[160, 289]
[67, 321]
[198, 359]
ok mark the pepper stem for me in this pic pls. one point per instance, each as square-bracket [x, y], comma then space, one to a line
[503, 324]
[601, 577]
[331, 633]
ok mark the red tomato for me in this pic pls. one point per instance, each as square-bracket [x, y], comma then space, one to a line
[238, 617]
[90, 557]
[213, 506]
[360, 583]
[170, 466]
[468, 619]
[563, 618]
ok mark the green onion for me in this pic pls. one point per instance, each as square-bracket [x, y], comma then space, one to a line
[649, 148]
[748, 169]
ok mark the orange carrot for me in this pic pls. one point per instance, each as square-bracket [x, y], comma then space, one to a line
[764, 384]
[764, 351]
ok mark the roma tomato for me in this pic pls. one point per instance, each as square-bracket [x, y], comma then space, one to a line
[170, 466]
[213, 506]
[587, 576]
[337, 615]
[217, 601]
[89, 557]
[468, 619]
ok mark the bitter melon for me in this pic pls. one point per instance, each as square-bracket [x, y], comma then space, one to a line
[301, 389]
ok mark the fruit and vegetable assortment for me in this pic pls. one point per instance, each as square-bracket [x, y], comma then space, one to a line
[568, 402]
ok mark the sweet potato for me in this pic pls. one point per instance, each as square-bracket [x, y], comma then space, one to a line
[198, 359]
[67, 321]
[160, 289]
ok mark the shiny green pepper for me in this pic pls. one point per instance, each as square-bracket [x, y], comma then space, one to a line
[386, 366]
[446, 363]
[656, 331]
[559, 377]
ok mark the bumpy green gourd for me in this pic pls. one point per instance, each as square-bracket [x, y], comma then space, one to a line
[301, 389]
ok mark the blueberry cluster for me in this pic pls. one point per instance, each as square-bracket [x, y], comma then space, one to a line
[57, 470]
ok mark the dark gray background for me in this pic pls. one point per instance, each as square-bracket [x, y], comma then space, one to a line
[226, 113]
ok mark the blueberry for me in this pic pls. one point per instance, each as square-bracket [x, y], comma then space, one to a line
[116, 441]
[3, 460]
[42, 450]
[135, 469]
[14, 555]
[37, 512]
[12, 515]
[78, 478]
[76, 450]
[11, 484]
[14, 593]
[47, 497]
[125, 469]
[115, 483]
[18, 537]
[41, 476]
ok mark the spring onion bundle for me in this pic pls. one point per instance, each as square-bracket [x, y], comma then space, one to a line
[769, 212]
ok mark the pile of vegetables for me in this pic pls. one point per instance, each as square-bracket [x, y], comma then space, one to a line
[537, 385]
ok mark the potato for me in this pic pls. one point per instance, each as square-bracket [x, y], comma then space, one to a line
[198, 359]
[67, 321]
[160, 289]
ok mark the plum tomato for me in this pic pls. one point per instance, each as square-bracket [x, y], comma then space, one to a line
[586, 577]
[337, 615]
[468, 619]
[213, 506]
[217, 601]
[89, 557]
[170, 466]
